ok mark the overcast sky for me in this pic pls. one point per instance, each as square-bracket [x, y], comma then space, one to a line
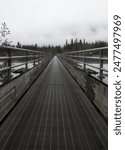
[54, 21]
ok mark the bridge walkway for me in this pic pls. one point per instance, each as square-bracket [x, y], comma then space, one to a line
[54, 114]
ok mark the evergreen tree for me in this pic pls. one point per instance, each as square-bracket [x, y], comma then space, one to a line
[18, 45]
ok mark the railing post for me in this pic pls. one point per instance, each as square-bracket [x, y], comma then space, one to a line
[9, 65]
[84, 61]
[26, 60]
[101, 64]
[40, 58]
[34, 60]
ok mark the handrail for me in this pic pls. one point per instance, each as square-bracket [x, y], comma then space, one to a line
[93, 49]
[21, 49]
[99, 56]
[10, 55]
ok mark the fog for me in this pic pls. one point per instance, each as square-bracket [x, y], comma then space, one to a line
[54, 21]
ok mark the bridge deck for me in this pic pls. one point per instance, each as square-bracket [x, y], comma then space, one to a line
[54, 115]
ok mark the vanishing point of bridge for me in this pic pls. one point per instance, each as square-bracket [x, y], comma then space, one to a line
[53, 114]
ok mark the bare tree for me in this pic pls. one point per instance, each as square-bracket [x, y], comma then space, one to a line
[4, 32]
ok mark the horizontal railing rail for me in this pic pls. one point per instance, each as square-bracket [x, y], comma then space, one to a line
[93, 61]
[12, 59]
[87, 50]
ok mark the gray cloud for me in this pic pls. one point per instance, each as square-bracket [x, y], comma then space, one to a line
[53, 21]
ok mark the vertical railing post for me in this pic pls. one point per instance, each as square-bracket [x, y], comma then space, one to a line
[26, 60]
[9, 65]
[84, 62]
[34, 59]
[40, 58]
[78, 58]
[75, 57]
[101, 63]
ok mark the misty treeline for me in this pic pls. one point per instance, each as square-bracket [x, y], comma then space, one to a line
[72, 45]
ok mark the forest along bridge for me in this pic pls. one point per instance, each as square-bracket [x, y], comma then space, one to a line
[53, 103]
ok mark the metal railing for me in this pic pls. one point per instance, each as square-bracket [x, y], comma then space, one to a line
[93, 61]
[15, 61]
